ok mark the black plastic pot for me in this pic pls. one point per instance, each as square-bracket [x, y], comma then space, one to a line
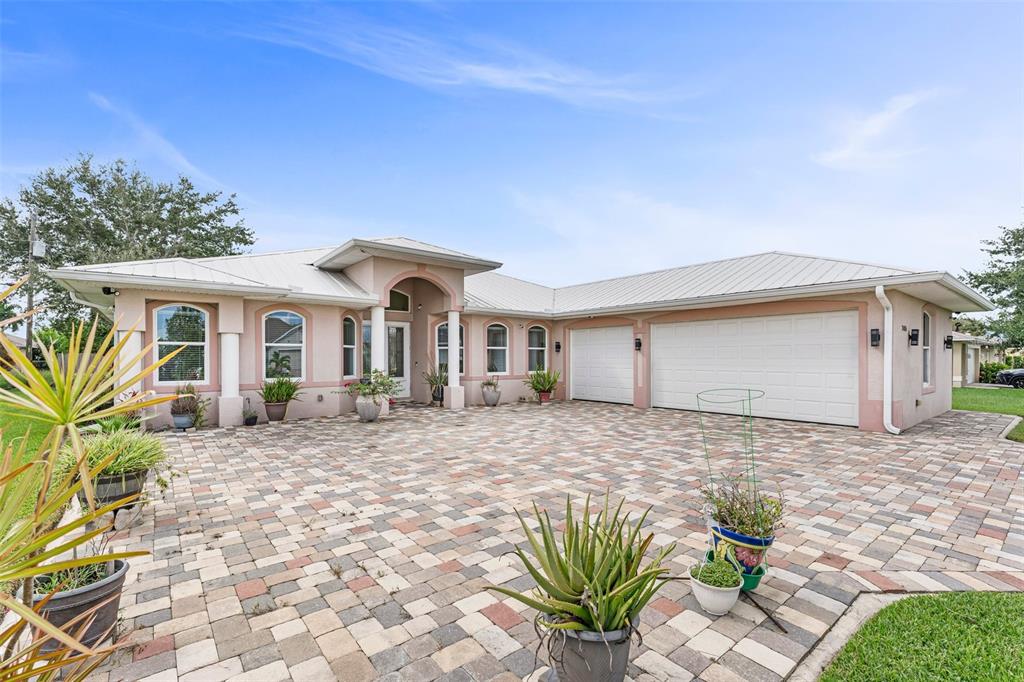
[108, 489]
[438, 395]
[251, 420]
[65, 606]
[583, 656]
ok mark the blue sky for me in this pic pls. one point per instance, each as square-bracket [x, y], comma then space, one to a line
[571, 141]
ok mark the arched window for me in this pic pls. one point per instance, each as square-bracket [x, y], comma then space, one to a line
[537, 348]
[442, 346]
[497, 349]
[186, 327]
[348, 347]
[284, 344]
[926, 348]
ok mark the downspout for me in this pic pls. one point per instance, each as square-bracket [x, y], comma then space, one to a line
[886, 361]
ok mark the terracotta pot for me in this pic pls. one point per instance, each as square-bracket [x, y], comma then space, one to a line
[544, 396]
[64, 606]
[275, 411]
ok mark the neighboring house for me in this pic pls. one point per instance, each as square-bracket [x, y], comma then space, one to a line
[810, 332]
[16, 339]
[969, 352]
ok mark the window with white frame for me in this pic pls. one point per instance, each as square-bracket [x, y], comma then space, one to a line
[537, 348]
[497, 349]
[185, 327]
[926, 348]
[367, 336]
[348, 347]
[442, 347]
[284, 344]
[399, 301]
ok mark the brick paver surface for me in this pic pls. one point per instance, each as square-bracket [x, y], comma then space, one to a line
[330, 549]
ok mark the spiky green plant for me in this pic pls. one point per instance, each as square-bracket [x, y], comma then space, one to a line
[594, 578]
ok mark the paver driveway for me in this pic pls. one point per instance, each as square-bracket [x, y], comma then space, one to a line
[331, 549]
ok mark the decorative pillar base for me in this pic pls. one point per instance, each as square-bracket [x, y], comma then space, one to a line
[454, 397]
[229, 411]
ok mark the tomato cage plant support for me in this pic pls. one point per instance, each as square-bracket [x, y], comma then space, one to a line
[739, 518]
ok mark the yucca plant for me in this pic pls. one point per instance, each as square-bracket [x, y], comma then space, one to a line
[34, 540]
[595, 579]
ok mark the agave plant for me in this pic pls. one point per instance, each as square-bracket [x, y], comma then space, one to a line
[595, 578]
[34, 539]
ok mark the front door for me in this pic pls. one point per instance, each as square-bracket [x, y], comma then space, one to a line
[398, 356]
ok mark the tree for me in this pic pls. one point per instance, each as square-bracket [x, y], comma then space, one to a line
[970, 325]
[1002, 281]
[97, 213]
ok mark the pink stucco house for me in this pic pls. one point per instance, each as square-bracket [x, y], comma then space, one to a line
[827, 340]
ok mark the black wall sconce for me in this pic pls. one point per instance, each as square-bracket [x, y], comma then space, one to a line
[558, 346]
[948, 343]
[915, 337]
[638, 344]
[876, 337]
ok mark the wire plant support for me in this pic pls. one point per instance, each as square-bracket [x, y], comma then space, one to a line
[738, 401]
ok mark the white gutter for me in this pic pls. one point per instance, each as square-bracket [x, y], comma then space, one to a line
[886, 361]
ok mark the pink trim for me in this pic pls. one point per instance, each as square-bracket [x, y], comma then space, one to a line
[550, 350]
[424, 274]
[307, 337]
[212, 384]
[510, 366]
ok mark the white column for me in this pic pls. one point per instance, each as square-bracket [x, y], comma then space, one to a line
[230, 403]
[379, 346]
[454, 395]
[453, 347]
[378, 339]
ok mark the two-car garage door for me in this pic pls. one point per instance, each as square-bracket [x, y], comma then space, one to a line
[806, 364]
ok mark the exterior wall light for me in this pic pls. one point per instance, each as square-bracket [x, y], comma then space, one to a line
[948, 343]
[876, 337]
[558, 346]
[637, 344]
[915, 337]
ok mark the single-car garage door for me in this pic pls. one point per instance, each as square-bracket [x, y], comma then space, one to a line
[602, 364]
[807, 364]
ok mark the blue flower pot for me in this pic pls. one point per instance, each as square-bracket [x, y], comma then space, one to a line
[739, 541]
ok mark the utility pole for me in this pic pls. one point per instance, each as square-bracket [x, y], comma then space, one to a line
[30, 284]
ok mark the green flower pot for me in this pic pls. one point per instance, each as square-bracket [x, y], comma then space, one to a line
[750, 580]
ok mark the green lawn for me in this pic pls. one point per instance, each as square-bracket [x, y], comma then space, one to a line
[16, 427]
[957, 636]
[1001, 400]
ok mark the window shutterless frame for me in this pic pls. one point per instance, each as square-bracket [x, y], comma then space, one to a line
[349, 338]
[536, 348]
[439, 347]
[273, 341]
[170, 344]
[496, 349]
[926, 349]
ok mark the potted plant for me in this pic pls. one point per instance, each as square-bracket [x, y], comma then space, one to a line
[437, 379]
[185, 407]
[125, 458]
[276, 394]
[591, 588]
[369, 392]
[249, 415]
[542, 382]
[743, 524]
[716, 585]
[492, 394]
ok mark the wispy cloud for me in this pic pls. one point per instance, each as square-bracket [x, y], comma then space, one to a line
[454, 62]
[867, 140]
[19, 65]
[154, 143]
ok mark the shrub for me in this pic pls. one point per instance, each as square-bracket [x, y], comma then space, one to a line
[593, 579]
[988, 371]
[378, 385]
[717, 573]
[280, 390]
[131, 450]
[542, 381]
[743, 508]
[490, 383]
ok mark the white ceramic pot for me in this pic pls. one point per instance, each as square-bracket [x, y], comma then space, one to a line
[367, 409]
[717, 601]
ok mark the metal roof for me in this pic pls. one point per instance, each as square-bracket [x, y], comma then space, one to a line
[312, 274]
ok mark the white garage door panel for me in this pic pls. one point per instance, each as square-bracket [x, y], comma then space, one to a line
[806, 364]
[602, 364]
